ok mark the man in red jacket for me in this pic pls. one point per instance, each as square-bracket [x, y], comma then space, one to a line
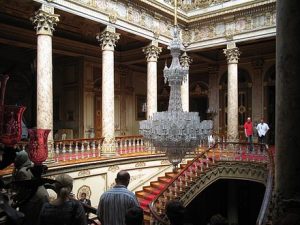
[249, 132]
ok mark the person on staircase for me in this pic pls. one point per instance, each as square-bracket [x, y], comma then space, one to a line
[115, 202]
[134, 216]
[175, 212]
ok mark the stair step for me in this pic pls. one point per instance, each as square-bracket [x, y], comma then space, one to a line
[170, 174]
[152, 190]
[145, 195]
[165, 180]
[157, 184]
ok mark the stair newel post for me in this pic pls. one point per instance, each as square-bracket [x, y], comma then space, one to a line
[191, 173]
[175, 189]
[165, 196]
[201, 165]
[196, 169]
[180, 184]
[185, 179]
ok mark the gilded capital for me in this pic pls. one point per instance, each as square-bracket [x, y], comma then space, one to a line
[232, 53]
[185, 60]
[152, 51]
[108, 38]
[44, 21]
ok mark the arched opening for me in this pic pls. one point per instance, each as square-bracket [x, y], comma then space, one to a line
[237, 200]
[244, 100]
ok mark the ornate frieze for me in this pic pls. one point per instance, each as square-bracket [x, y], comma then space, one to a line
[45, 20]
[152, 51]
[189, 5]
[232, 53]
[239, 23]
[108, 38]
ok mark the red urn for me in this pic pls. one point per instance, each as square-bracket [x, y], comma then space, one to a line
[38, 145]
[11, 125]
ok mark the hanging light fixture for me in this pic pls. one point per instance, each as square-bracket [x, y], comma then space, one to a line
[175, 132]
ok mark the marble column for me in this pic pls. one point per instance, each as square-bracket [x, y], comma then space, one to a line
[108, 39]
[44, 21]
[213, 96]
[152, 52]
[287, 143]
[232, 53]
[185, 62]
[257, 90]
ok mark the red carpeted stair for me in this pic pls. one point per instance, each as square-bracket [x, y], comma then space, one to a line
[148, 193]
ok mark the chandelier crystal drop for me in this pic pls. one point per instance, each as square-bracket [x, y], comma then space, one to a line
[175, 132]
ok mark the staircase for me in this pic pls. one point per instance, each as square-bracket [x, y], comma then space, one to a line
[149, 193]
[175, 184]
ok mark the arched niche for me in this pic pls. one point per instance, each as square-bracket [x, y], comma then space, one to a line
[244, 100]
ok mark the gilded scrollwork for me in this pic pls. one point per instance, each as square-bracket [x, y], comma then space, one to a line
[44, 22]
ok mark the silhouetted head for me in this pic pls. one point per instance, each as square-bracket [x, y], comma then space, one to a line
[134, 216]
[218, 220]
[123, 178]
[175, 212]
[63, 185]
[22, 160]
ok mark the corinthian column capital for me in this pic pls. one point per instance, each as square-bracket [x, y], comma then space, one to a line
[108, 38]
[152, 51]
[232, 53]
[44, 20]
[185, 60]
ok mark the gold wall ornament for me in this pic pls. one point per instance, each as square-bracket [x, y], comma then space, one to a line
[108, 38]
[152, 51]
[113, 168]
[45, 20]
[112, 17]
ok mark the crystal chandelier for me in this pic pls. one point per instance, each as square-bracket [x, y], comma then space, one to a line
[175, 132]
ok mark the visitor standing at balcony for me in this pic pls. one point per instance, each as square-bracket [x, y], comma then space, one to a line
[249, 132]
[115, 202]
[262, 129]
